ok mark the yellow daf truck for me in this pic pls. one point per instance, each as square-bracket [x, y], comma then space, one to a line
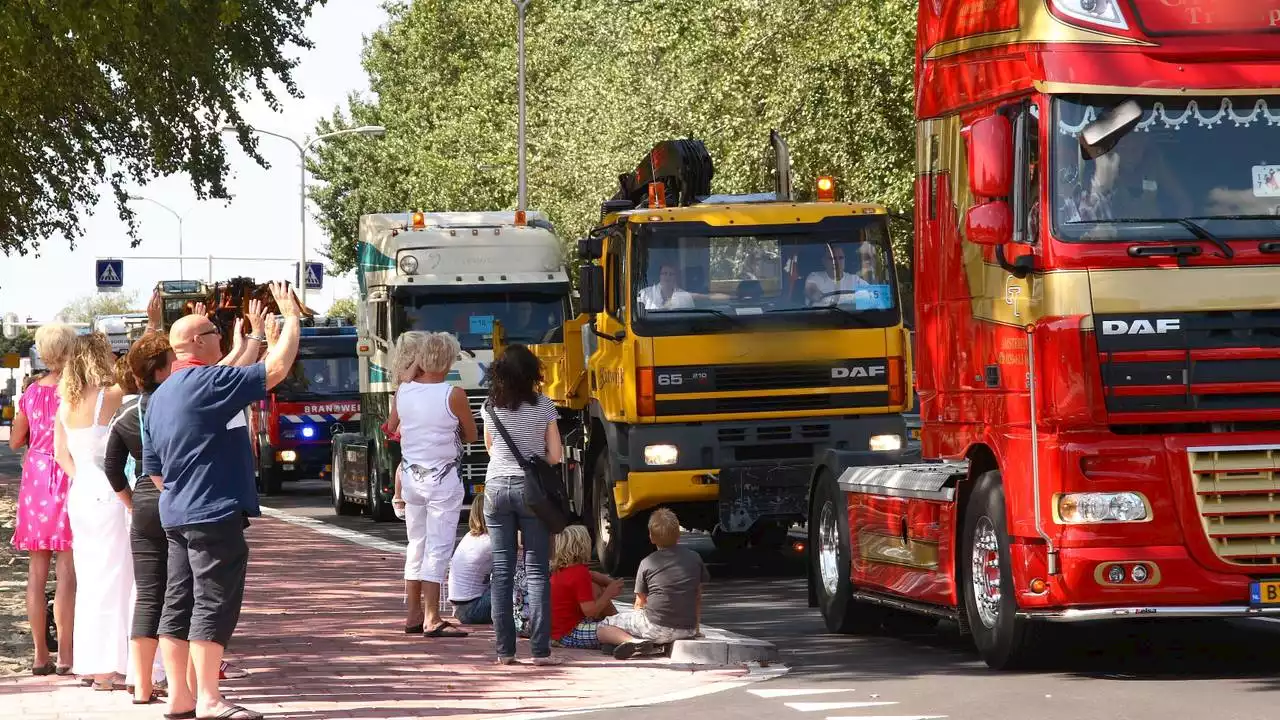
[727, 341]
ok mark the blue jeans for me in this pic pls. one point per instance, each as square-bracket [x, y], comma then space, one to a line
[505, 512]
[475, 612]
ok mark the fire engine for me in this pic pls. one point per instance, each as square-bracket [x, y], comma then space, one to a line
[293, 429]
[1097, 253]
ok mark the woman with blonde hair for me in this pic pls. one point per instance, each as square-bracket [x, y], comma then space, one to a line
[99, 519]
[42, 527]
[433, 420]
[470, 569]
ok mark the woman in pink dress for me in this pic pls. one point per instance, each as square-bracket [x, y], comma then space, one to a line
[42, 525]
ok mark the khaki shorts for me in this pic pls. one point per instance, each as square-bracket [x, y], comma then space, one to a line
[636, 624]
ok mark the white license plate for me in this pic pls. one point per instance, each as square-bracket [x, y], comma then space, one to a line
[288, 466]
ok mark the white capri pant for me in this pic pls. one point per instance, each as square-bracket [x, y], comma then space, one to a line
[432, 506]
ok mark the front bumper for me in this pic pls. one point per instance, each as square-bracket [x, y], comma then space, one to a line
[1165, 612]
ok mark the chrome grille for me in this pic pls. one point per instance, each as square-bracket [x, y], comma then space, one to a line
[1238, 495]
[475, 459]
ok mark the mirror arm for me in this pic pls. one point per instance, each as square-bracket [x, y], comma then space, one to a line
[1019, 268]
[616, 337]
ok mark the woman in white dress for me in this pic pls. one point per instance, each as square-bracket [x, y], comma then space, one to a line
[99, 520]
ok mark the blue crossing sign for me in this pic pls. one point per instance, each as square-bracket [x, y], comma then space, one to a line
[314, 276]
[109, 274]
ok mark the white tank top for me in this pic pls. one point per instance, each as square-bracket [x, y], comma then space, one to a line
[428, 427]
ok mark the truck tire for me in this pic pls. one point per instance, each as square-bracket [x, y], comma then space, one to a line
[620, 543]
[378, 508]
[985, 574]
[830, 563]
[341, 505]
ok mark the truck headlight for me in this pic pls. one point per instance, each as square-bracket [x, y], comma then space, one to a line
[288, 456]
[661, 454]
[1094, 507]
[885, 443]
[408, 264]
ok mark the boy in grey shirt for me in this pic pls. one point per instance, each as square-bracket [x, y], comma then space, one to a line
[668, 595]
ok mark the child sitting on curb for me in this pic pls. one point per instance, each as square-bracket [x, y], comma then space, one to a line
[579, 597]
[668, 603]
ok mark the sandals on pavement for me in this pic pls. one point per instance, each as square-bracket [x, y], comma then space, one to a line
[188, 715]
[444, 630]
[234, 712]
[46, 669]
[227, 671]
[62, 670]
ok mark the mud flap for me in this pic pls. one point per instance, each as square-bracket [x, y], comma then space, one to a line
[758, 492]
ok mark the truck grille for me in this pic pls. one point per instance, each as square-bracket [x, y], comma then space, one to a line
[1238, 495]
[475, 458]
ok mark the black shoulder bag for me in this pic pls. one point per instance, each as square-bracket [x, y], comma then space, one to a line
[544, 489]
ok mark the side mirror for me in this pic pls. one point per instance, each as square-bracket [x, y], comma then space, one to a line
[591, 287]
[990, 152]
[990, 223]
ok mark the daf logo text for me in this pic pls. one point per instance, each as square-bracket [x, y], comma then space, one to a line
[842, 373]
[1160, 326]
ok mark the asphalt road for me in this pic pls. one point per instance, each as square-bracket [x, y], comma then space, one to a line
[1203, 670]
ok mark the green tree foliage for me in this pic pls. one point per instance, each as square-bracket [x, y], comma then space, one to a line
[606, 81]
[89, 307]
[120, 91]
[343, 308]
[20, 344]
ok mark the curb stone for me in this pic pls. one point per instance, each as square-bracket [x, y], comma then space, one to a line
[719, 647]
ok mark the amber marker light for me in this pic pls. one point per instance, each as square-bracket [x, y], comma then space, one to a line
[826, 189]
[419, 221]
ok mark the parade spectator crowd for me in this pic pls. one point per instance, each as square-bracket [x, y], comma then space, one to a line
[138, 486]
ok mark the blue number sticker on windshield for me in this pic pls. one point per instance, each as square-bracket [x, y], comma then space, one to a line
[481, 324]
[874, 297]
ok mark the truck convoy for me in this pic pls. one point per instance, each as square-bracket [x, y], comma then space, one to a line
[1098, 327]
[292, 430]
[464, 273]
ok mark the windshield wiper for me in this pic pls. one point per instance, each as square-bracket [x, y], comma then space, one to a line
[861, 319]
[1195, 228]
[710, 311]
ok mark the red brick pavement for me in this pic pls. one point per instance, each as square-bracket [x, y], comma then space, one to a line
[322, 636]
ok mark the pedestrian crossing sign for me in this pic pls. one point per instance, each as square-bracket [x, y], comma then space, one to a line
[314, 276]
[109, 275]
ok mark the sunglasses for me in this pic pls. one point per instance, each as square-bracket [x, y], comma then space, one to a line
[214, 331]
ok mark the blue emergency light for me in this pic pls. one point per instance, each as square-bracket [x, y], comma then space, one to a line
[308, 432]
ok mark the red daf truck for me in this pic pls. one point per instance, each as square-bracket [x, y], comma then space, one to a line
[1097, 278]
[292, 429]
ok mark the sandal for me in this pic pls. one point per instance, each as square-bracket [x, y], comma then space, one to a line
[62, 670]
[413, 629]
[46, 669]
[444, 630]
[235, 712]
[188, 715]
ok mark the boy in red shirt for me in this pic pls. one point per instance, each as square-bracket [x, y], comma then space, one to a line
[580, 598]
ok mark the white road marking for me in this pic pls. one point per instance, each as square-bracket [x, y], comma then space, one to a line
[824, 707]
[891, 718]
[324, 528]
[797, 692]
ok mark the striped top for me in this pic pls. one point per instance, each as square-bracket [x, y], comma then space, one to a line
[527, 426]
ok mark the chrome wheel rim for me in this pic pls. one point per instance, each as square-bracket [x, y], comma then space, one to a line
[604, 527]
[985, 572]
[335, 482]
[829, 549]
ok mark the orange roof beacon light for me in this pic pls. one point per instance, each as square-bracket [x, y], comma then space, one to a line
[826, 189]
[419, 221]
[520, 218]
[657, 195]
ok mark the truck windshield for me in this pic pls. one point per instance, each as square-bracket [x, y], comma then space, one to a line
[1211, 160]
[723, 278]
[527, 317]
[321, 377]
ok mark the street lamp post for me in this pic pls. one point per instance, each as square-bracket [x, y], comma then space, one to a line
[367, 130]
[179, 219]
[521, 185]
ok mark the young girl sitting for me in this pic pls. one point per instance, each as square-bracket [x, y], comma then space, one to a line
[470, 569]
[580, 598]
